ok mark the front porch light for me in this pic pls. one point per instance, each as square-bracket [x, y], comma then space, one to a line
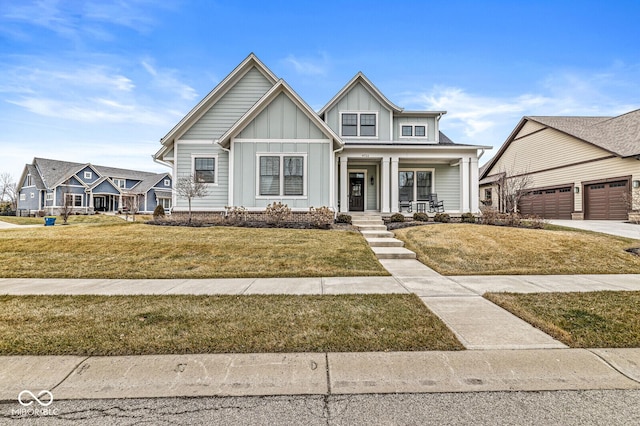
[372, 181]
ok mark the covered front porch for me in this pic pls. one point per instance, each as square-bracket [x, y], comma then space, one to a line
[407, 183]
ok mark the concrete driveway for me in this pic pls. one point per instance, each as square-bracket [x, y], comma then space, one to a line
[611, 227]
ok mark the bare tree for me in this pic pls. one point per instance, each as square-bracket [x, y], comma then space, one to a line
[189, 187]
[132, 203]
[511, 189]
[67, 202]
[8, 190]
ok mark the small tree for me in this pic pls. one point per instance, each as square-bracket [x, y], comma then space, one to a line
[189, 187]
[8, 190]
[67, 203]
[132, 203]
[511, 189]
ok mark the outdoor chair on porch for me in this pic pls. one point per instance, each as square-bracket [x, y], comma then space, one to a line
[435, 205]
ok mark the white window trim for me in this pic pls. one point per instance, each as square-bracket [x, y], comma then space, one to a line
[49, 196]
[216, 166]
[305, 175]
[167, 182]
[88, 175]
[32, 195]
[415, 181]
[413, 130]
[73, 200]
[23, 197]
[116, 182]
[358, 113]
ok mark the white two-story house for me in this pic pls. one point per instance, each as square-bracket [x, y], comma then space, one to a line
[254, 141]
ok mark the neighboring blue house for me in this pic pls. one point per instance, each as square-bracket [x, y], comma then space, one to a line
[254, 141]
[45, 184]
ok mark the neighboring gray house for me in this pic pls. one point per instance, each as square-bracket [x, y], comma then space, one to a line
[45, 184]
[254, 141]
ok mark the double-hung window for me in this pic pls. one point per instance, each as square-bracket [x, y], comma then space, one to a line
[205, 169]
[359, 124]
[281, 175]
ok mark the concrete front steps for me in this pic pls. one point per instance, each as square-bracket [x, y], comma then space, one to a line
[381, 241]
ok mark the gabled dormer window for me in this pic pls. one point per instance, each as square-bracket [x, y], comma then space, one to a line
[359, 124]
[120, 183]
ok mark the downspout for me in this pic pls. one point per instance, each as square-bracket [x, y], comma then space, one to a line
[336, 176]
[230, 168]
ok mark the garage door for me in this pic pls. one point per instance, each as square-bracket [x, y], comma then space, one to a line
[550, 203]
[606, 200]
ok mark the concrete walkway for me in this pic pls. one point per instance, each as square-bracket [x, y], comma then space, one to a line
[611, 227]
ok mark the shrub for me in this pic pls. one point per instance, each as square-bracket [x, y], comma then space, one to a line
[397, 217]
[236, 214]
[277, 212]
[321, 217]
[468, 218]
[442, 217]
[421, 217]
[343, 218]
[158, 212]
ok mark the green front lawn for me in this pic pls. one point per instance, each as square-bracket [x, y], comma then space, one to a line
[136, 325]
[604, 319]
[136, 250]
[468, 249]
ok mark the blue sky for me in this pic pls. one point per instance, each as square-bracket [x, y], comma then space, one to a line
[102, 81]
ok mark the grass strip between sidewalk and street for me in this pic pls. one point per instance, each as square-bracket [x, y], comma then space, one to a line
[471, 249]
[142, 325]
[601, 319]
[135, 250]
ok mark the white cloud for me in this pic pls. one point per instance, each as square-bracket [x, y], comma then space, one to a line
[167, 80]
[308, 66]
[486, 119]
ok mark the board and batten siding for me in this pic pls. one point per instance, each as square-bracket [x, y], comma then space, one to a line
[359, 99]
[281, 119]
[217, 194]
[447, 182]
[544, 150]
[317, 175]
[430, 122]
[230, 107]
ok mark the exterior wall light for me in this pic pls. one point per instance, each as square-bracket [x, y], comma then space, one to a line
[576, 189]
[636, 183]
[373, 181]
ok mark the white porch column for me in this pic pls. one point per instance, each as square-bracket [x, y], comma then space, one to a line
[394, 185]
[475, 188]
[344, 185]
[384, 186]
[464, 183]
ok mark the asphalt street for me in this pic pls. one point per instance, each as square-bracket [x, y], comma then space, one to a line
[612, 407]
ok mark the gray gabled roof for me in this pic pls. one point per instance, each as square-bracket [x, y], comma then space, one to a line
[49, 173]
[619, 135]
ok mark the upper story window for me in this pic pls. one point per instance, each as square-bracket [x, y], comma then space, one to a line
[204, 169]
[167, 182]
[120, 183]
[410, 130]
[29, 181]
[88, 175]
[359, 124]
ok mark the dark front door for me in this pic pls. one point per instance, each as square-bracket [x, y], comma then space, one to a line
[356, 193]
